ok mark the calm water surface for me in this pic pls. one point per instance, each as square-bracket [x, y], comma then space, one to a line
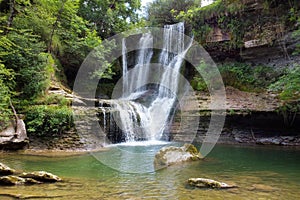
[260, 173]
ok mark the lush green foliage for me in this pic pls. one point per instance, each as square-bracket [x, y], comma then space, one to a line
[48, 120]
[239, 75]
[5, 94]
[41, 41]
[161, 12]
[110, 17]
[248, 78]
[288, 85]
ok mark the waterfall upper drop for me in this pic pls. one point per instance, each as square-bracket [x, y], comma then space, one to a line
[144, 110]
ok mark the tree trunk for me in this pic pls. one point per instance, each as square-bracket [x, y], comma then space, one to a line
[55, 25]
[12, 13]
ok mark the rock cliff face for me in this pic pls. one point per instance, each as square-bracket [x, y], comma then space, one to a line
[265, 30]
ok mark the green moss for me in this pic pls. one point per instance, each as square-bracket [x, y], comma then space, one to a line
[288, 85]
[191, 149]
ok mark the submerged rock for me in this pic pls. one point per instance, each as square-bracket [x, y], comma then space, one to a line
[5, 170]
[262, 188]
[41, 176]
[209, 183]
[172, 155]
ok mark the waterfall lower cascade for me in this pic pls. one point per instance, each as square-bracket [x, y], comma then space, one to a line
[141, 119]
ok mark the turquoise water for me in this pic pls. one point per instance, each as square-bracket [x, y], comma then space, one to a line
[260, 172]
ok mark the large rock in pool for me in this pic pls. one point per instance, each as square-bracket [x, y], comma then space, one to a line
[5, 170]
[172, 155]
[41, 176]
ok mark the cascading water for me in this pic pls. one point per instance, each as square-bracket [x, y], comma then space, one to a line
[148, 121]
[124, 66]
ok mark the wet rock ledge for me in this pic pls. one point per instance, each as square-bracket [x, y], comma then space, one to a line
[10, 177]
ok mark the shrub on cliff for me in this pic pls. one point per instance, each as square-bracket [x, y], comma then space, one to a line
[48, 120]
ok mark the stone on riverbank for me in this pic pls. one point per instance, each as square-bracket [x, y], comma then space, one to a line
[7, 177]
[14, 137]
[5, 170]
[209, 183]
[16, 180]
[172, 155]
[41, 176]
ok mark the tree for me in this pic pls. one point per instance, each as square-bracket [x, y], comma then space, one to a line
[162, 12]
[110, 17]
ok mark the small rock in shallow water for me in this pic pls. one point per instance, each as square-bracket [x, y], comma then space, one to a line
[41, 176]
[209, 183]
[5, 170]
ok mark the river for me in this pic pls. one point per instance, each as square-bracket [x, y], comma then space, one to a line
[260, 172]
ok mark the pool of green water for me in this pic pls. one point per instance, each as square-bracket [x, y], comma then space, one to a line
[260, 172]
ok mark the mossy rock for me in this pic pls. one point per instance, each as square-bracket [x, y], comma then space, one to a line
[5, 170]
[192, 149]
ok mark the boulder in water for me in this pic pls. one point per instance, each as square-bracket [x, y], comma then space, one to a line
[41, 176]
[172, 155]
[5, 170]
[209, 183]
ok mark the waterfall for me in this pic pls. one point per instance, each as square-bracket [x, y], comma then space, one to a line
[148, 121]
[124, 66]
[104, 115]
[143, 59]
